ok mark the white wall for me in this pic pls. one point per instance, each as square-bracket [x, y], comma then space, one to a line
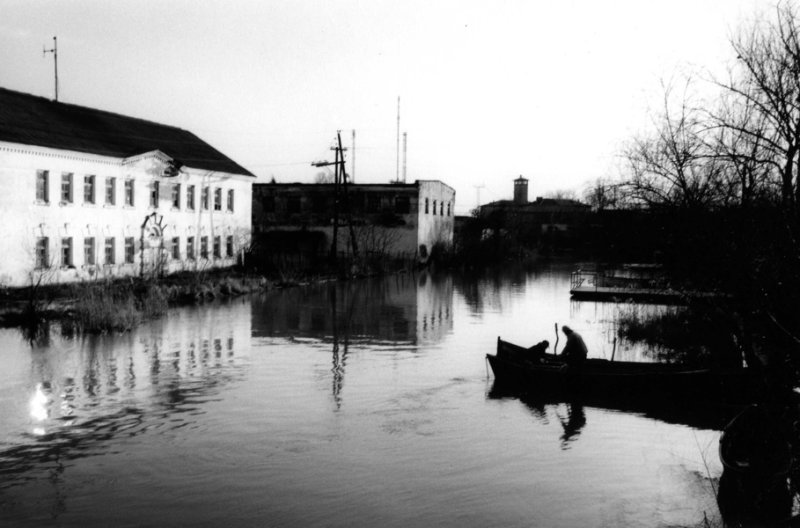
[438, 226]
[24, 219]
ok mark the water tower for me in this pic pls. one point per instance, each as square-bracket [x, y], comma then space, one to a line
[520, 191]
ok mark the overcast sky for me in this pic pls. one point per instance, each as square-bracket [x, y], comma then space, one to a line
[490, 90]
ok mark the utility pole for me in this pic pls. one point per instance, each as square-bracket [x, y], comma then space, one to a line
[339, 188]
[54, 51]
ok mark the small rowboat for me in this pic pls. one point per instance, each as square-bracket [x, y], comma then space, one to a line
[515, 365]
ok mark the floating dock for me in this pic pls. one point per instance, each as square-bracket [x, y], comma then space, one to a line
[626, 286]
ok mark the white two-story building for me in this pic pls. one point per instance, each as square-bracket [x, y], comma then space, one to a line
[87, 194]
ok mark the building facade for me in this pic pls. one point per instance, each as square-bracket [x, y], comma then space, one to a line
[88, 194]
[400, 220]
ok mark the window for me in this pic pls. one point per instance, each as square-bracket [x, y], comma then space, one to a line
[230, 200]
[190, 197]
[130, 249]
[319, 203]
[426, 206]
[448, 208]
[88, 251]
[229, 246]
[217, 247]
[373, 203]
[88, 189]
[109, 251]
[43, 186]
[176, 196]
[154, 194]
[204, 198]
[111, 191]
[129, 193]
[218, 199]
[441, 208]
[434, 208]
[293, 205]
[402, 205]
[204, 247]
[176, 248]
[190, 248]
[66, 252]
[66, 187]
[42, 253]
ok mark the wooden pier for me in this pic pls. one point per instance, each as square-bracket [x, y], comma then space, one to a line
[598, 286]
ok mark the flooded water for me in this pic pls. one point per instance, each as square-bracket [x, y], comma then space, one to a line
[361, 404]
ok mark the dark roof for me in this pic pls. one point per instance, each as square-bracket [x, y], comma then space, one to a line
[32, 120]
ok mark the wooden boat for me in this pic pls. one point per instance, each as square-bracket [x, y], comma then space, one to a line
[513, 365]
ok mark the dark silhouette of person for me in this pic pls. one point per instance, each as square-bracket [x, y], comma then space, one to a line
[537, 352]
[575, 352]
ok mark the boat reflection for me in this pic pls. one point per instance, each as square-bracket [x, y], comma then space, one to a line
[698, 415]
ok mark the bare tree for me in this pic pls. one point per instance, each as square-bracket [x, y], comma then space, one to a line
[675, 164]
[603, 194]
[765, 85]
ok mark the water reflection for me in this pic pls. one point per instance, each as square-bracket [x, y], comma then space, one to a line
[407, 309]
[571, 412]
[84, 391]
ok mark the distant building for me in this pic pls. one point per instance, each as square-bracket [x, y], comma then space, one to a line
[394, 219]
[545, 217]
[89, 194]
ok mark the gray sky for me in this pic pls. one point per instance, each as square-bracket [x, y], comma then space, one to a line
[490, 90]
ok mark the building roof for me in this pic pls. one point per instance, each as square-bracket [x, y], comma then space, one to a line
[32, 120]
[541, 204]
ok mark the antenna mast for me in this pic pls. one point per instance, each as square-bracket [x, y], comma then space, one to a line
[397, 175]
[405, 147]
[54, 51]
[353, 160]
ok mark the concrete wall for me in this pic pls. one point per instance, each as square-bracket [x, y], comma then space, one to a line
[435, 226]
[24, 219]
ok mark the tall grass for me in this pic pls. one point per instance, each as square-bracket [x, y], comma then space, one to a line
[105, 307]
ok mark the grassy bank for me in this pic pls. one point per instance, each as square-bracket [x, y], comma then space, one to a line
[120, 304]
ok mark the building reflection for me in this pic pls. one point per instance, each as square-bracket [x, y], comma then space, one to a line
[83, 391]
[408, 308]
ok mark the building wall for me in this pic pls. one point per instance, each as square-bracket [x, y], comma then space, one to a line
[388, 218]
[26, 219]
[437, 220]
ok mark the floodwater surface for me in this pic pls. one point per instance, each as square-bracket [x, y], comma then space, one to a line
[357, 404]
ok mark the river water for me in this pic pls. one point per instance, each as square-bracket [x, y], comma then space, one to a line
[359, 404]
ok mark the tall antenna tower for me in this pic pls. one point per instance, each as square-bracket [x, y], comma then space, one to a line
[353, 160]
[397, 175]
[405, 148]
[54, 51]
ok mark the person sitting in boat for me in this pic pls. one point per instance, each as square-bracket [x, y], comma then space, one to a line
[537, 352]
[574, 353]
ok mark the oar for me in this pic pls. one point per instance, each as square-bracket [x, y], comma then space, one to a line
[555, 347]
